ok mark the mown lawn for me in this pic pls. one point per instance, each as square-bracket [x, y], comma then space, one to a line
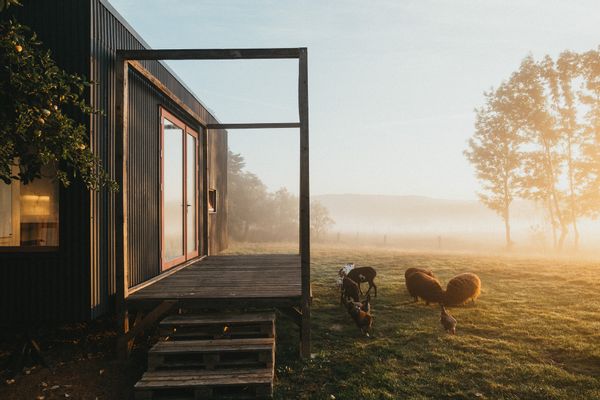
[533, 334]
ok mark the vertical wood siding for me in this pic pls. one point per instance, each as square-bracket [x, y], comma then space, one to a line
[44, 287]
[109, 33]
[78, 282]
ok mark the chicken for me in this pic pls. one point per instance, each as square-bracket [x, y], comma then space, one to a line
[362, 319]
[448, 321]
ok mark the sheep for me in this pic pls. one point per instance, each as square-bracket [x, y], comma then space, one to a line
[349, 289]
[426, 287]
[462, 288]
[362, 319]
[411, 271]
[361, 275]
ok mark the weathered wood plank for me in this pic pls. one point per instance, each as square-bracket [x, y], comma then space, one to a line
[212, 346]
[256, 125]
[230, 277]
[209, 54]
[193, 378]
[256, 317]
[304, 202]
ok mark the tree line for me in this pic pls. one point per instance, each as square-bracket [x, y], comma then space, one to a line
[537, 137]
[255, 214]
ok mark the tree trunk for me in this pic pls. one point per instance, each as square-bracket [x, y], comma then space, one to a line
[509, 242]
[552, 223]
[507, 214]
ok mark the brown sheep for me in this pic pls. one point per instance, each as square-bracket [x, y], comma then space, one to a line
[411, 271]
[426, 287]
[462, 288]
[349, 289]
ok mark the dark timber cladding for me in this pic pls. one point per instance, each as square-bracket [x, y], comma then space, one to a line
[110, 33]
[77, 280]
[129, 58]
[53, 285]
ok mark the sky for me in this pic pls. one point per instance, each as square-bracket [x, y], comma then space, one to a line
[392, 84]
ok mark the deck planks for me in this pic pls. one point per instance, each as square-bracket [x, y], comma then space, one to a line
[235, 277]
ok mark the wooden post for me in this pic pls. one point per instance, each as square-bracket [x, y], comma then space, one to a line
[121, 108]
[304, 203]
[205, 188]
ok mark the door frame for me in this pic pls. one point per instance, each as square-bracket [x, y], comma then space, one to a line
[186, 256]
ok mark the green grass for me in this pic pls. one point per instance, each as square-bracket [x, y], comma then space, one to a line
[533, 334]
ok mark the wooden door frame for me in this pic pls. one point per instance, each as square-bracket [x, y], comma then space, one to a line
[186, 130]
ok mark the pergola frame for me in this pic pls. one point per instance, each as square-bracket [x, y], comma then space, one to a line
[130, 59]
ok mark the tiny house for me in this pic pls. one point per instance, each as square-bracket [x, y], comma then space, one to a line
[69, 254]
[57, 245]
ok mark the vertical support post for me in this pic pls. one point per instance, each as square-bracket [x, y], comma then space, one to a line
[205, 188]
[304, 203]
[121, 117]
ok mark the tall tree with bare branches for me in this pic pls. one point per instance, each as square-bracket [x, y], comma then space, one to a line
[494, 151]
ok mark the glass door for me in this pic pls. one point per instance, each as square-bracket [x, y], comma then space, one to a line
[179, 191]
[191, 190]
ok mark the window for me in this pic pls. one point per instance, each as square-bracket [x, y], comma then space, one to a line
[29, 213]
[212, 200]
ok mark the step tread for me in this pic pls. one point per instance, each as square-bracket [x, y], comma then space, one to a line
[216, 319]
[194, 378]
[211, 346]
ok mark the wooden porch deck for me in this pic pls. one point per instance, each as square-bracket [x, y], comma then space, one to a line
[272, 280]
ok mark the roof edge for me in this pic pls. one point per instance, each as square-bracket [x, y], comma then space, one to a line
[139, 38]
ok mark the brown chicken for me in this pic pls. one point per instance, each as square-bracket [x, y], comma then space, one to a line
[448, 321]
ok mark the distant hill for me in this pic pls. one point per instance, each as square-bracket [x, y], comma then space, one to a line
[418, 214]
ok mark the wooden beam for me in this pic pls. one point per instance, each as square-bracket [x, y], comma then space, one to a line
[260, 125]
[124, 343]
[304, 203]
[121, 103]
[209, 54]
[293, 313]
[137, 66]
[205, 188]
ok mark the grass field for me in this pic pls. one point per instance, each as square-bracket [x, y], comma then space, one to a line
[533, 334]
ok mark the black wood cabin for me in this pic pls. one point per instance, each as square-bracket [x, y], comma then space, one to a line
[86, 254]
[72, 276]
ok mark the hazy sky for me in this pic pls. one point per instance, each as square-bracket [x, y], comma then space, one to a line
[392, 84]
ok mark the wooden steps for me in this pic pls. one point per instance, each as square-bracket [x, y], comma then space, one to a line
[230, 356]
[231, 326]
[191, 384]
[211, 354]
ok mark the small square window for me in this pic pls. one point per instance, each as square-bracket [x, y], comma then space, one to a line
[212, 200]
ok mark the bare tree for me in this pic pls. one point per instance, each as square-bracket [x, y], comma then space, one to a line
[494, 150]
[320, 221]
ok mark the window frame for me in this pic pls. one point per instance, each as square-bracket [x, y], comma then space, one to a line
[16, 205]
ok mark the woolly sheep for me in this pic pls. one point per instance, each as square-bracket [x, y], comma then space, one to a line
[462, 288]
[426, 287]
[411, 271]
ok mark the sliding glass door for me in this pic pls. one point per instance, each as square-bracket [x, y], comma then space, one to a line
[179, 191]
